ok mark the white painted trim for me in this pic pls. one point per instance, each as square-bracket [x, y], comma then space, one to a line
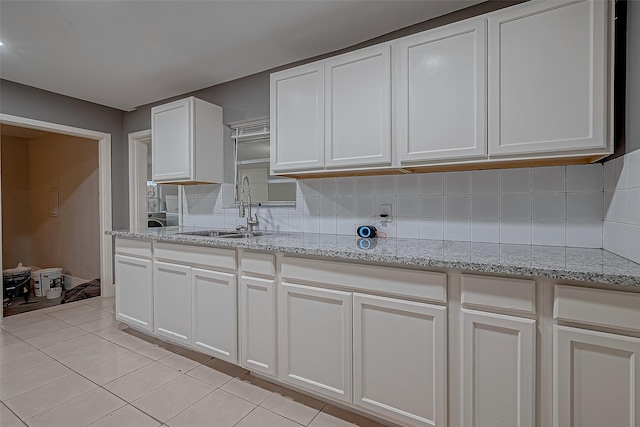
[104, 167]
[136, 139]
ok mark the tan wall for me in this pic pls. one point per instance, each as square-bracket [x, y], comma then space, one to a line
[16, 210]
[71, 240]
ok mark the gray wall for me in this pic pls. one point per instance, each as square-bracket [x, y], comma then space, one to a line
[29, 102]
[633, 76]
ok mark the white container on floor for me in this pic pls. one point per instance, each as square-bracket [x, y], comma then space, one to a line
[54, 293]
[49, 278]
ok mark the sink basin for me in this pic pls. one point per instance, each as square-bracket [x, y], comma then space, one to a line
[226, 234]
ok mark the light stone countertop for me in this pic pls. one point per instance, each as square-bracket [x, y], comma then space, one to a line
[564, 263]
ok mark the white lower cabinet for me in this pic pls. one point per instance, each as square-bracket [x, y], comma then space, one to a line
[498, 370]
[400, 359]
[596, 379]
[172, 301]
[134, 291]
[257, 320]
[316, 339]
[214, 315]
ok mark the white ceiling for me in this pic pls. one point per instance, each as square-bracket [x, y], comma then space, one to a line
[124, 54]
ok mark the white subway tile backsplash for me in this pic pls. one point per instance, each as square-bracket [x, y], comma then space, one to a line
[609, 207]
[585, 177]
[408, 228]
[608, 236]
[515, 231]
[621, 202]
[432, 183]
[515, 206]
[346, 225]
[296, 223]
[328, 206]
[408, 206]
[548, 179]
[408, 184]
[634, 169]
[485, 230]
[485, 181]
[549, 206]
[385, 199]
[588, 205]
[345, 206]
[634, 243]
[622, 172]
[364, 206]
[364, 186]
[432, 206]
[312, 206]
[311, 224]
[634, 206]
[432, 228]
[328, 224]
[346, 186]
[328, 187]
[310, 187]
[385, 184]
[457, 182]
[457, 229]
[621, 239]
[610, 177]
[485, 206]
[515, 180]
[584, 234]
[548, 233]
[457, 206]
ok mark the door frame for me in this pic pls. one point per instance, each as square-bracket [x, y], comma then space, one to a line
[107, 287]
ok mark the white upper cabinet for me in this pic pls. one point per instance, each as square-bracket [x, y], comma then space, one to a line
[187, 142]
[358, 108]
[548, 79]
[440, 93]
[297, 118]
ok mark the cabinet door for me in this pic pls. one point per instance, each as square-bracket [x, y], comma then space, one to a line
[316, 337]
[440, 93]
[548, 73]
[258, 324]
[172, 301]
[215, 327]
[134, 291]
[596, 379]
[358, 108]
[297, 118]
[498, 370]
[400, 359]
[172, 141]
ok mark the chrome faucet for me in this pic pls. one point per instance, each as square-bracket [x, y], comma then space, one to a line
[252, 220]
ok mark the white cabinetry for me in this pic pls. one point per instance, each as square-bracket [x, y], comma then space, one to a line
[358, 108]
[596, 377]
[134, 283]
[187, 142]
[195, 298]
[549, 79]
[297, 118]
[440, 93]
[315, 331]
[498, 357]
[257, 313]
[400, 359]
[172, 301]
[334, 113]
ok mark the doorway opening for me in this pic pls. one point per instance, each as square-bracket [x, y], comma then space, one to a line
[56, 195]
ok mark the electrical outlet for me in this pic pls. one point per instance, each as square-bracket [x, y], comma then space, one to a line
[384, 210]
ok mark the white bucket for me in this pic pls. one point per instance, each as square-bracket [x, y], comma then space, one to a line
[50, 278]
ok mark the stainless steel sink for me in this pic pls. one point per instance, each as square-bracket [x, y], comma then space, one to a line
[226, 234]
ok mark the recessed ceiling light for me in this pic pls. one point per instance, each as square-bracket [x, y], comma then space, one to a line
[0, 43]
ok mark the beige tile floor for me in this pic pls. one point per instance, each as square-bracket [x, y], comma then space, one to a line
[75, 365]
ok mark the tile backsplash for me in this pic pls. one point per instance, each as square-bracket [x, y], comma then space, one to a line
[621, 233]
[557, 206]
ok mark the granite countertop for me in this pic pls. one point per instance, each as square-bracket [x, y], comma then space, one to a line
[579, 264]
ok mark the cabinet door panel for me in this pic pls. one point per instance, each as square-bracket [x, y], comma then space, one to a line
[258, 324]
[316, 337]
[297, 118]
[358, 108]
[596, 379]
[172, 141]
[440, 95]
[400, 359]
[134, 291]
[548, 89]
[172, 301]
[498, 370]
[215, 328]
